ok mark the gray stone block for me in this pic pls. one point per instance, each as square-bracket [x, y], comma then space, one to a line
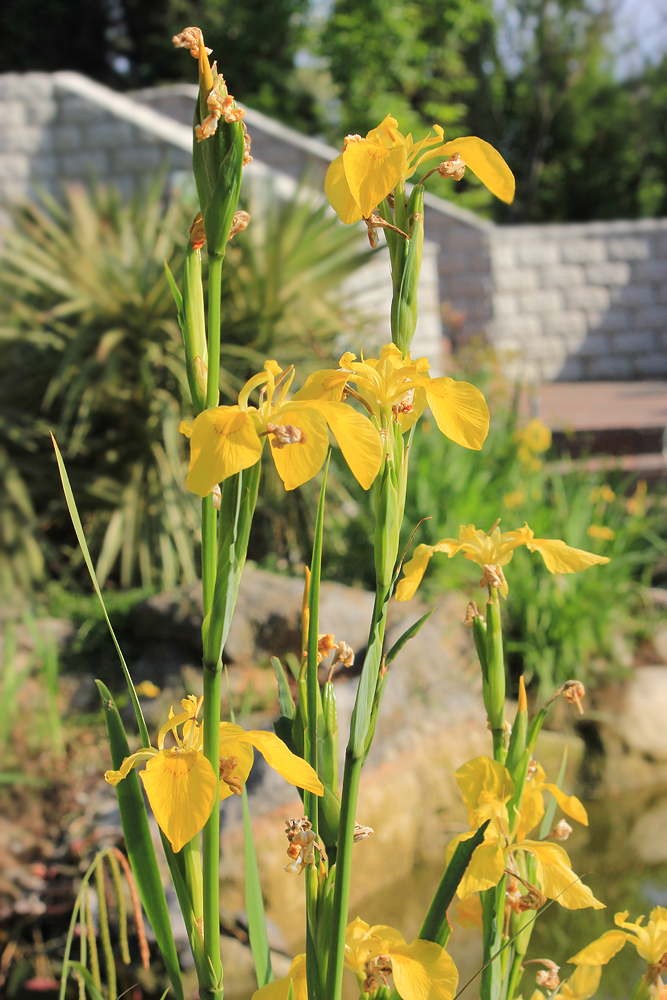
[539, 252]
[67, 138]
[515, 279]
[616, 319]
[572, 370]
[616, 273]
[75, 110]
[504, 304]
[653, 317]
[14, 166]
[12, 114]
[25, 85]
[83, 165]
[26, 139]
[567, 324]
[594, 345]
[520, 328]
[591, 251]
[609, 367]
[587, 297]
[541, 301]
[503, 255]
[41, 112]
[549, 348]
[651, 364]
[43, 167]
[633, 343]
[628, 249]
[651, 270]
[562, 276]
[136, 160]
[107, 134]
[633, 295]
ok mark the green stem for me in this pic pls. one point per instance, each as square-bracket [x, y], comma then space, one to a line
[215, 263]
[341, 901]
[495, 706]
[209, 556]
[211, 835]
[193, 875]
[515, 976]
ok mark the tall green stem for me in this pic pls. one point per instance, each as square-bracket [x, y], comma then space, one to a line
[211, 833]
[215, 263]
[209, 548]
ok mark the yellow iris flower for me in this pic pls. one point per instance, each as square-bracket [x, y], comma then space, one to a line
[650, 940]
[368, 169]
[397, 389]
[226, 439]
[493, 548]
[180, 782]
[487, 787]
[421, 970]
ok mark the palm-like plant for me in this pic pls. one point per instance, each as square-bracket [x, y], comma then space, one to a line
[91, 347]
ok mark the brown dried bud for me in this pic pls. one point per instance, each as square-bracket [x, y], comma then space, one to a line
[197, 234]
[561, 831]
[573, 692]
[284, 434]
[472, 612]
[191, 38]
[239, 223]
[405, 405]
[350, 138]
[454, 167]
[362, 832]
[216, 496]
[227, 765]
[325, 644]
[532, 768]
[532, 900]
[345, 655]
[377, 971]
[247, 158]
[548, 977]
[492, 576]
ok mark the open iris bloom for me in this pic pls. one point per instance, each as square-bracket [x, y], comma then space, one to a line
[180, 782]
[650, 940]
[369, 169]
[396, 390]
[224, 440]
[495, 549]
[422, 970]
[487, 788]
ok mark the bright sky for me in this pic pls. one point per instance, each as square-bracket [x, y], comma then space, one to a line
[641, 30]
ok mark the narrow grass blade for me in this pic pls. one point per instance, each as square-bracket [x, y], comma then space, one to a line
[82, 971]
[254, 904]
[81, 538]
[548, 819]
[139, 844]
[407, 635]
[436, 926]
[285, 700]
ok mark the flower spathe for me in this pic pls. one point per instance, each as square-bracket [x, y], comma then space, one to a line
[487, 788]
[397, 389]
[368, 169]
[496, 548]
[180, 782]
[224, 440]
[422, 970]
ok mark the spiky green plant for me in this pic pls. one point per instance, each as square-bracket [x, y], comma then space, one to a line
[91, 349]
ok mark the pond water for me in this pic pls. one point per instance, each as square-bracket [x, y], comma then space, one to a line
[622, 856]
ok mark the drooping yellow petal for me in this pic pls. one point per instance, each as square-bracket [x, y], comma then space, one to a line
[299, 462]
[223, 442]
[562, 558]
[582, 984]
[483, 780]
[532, 810]
[338, 193]
[570, 804]
[485, 162]
[372, 171]
[602, 950]
[557, 879]
[357, 937]
[359, 441]
[181, 789]
[279, 988]
[276, 754]
[459, 409]
[325, 384]
[386, 133]
[423, 971]
[114, 777]
[413, 572]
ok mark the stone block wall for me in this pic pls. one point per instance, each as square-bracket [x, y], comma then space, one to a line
[58, 128]
[581, 301]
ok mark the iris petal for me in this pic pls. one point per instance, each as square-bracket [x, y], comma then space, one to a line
[223, 442]
[372, 171]
[299, 462]
[359, 441]
[275, 753]
[181, 788]
[460, 411]
[338, 192]
[423, 971]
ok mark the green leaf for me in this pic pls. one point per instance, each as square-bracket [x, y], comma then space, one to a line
[407, 635]
[254, 903]
[85, 974]
[139, 843]
[81, 538]
[285, 700]
[436, 926]
[548, 818]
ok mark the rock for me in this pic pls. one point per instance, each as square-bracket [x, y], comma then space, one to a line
[648, 835]
[660, 643]
[641, 724]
